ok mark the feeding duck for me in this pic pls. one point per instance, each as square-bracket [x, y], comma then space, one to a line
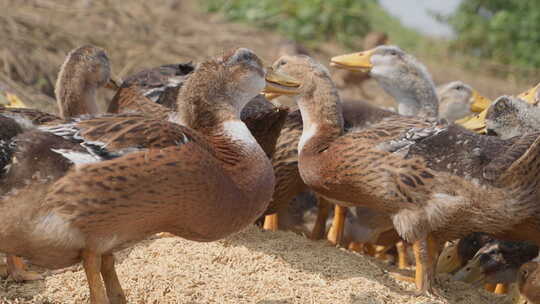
[85, 70]
[510, 116]
[361, 168]
[477, 123]
[497, 262]
[457, 254]
[527, 288]
[457, 100]
[210, 168]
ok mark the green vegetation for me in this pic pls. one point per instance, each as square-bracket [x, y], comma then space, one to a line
[308, 21]
[503, 30]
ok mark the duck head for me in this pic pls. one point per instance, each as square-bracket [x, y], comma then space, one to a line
[399, 74]
[85, 69]
[457, 100]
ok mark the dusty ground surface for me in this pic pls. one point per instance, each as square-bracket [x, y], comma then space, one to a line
[249, 267]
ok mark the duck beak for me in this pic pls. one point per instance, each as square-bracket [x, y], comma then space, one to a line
[516, 296]
[475, 123]
[280, 84]
[479, 102]
[471, 273]
[14, 101]
[355, 62]
[113, 84]
[530, 95]
[449, 260]
[270, 96]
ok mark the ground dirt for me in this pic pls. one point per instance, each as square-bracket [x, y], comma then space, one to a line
[249, 267]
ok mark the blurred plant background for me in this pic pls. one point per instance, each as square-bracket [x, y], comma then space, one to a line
[502, 35]
[494, 47]
[507, 31]
[302, 20]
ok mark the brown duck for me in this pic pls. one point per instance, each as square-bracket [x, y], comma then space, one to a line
[364, 168]
[85, 70]
[154, 92]
[210, 178]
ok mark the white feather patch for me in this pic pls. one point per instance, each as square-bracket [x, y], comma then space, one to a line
[238, 131]
[22, 121]
[58, 231]
[77, 157]
[307, 134]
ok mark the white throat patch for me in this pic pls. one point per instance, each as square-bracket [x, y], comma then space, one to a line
[238, 131]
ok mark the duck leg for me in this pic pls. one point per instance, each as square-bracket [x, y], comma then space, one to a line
[271, 222]
[319, 229]
[17, 269]
[501, 288]
[490, 287]
[403, 260]
[92, 266]
[335, 235]
[112, 284]
[426, 251]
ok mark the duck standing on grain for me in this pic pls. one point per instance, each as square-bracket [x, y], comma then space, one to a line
[456, 99]
[85, 69]
[209, 177]
[427, 206]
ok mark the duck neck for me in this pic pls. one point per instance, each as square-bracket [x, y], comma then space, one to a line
[75, 96]
[414, 94]
[229, 139]
[322, 115]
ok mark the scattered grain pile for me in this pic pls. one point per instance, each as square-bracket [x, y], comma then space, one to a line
[249, 267]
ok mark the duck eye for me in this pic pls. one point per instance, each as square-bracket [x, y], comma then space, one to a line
[393, 53]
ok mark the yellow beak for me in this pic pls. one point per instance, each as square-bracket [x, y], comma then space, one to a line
[356, 61]
[449, 260]
[14, 101]
[530, 95]
[270, 96]
[280, 84]
[475, 123]
[479, 102]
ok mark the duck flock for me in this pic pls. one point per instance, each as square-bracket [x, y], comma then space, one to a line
[204, 150]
